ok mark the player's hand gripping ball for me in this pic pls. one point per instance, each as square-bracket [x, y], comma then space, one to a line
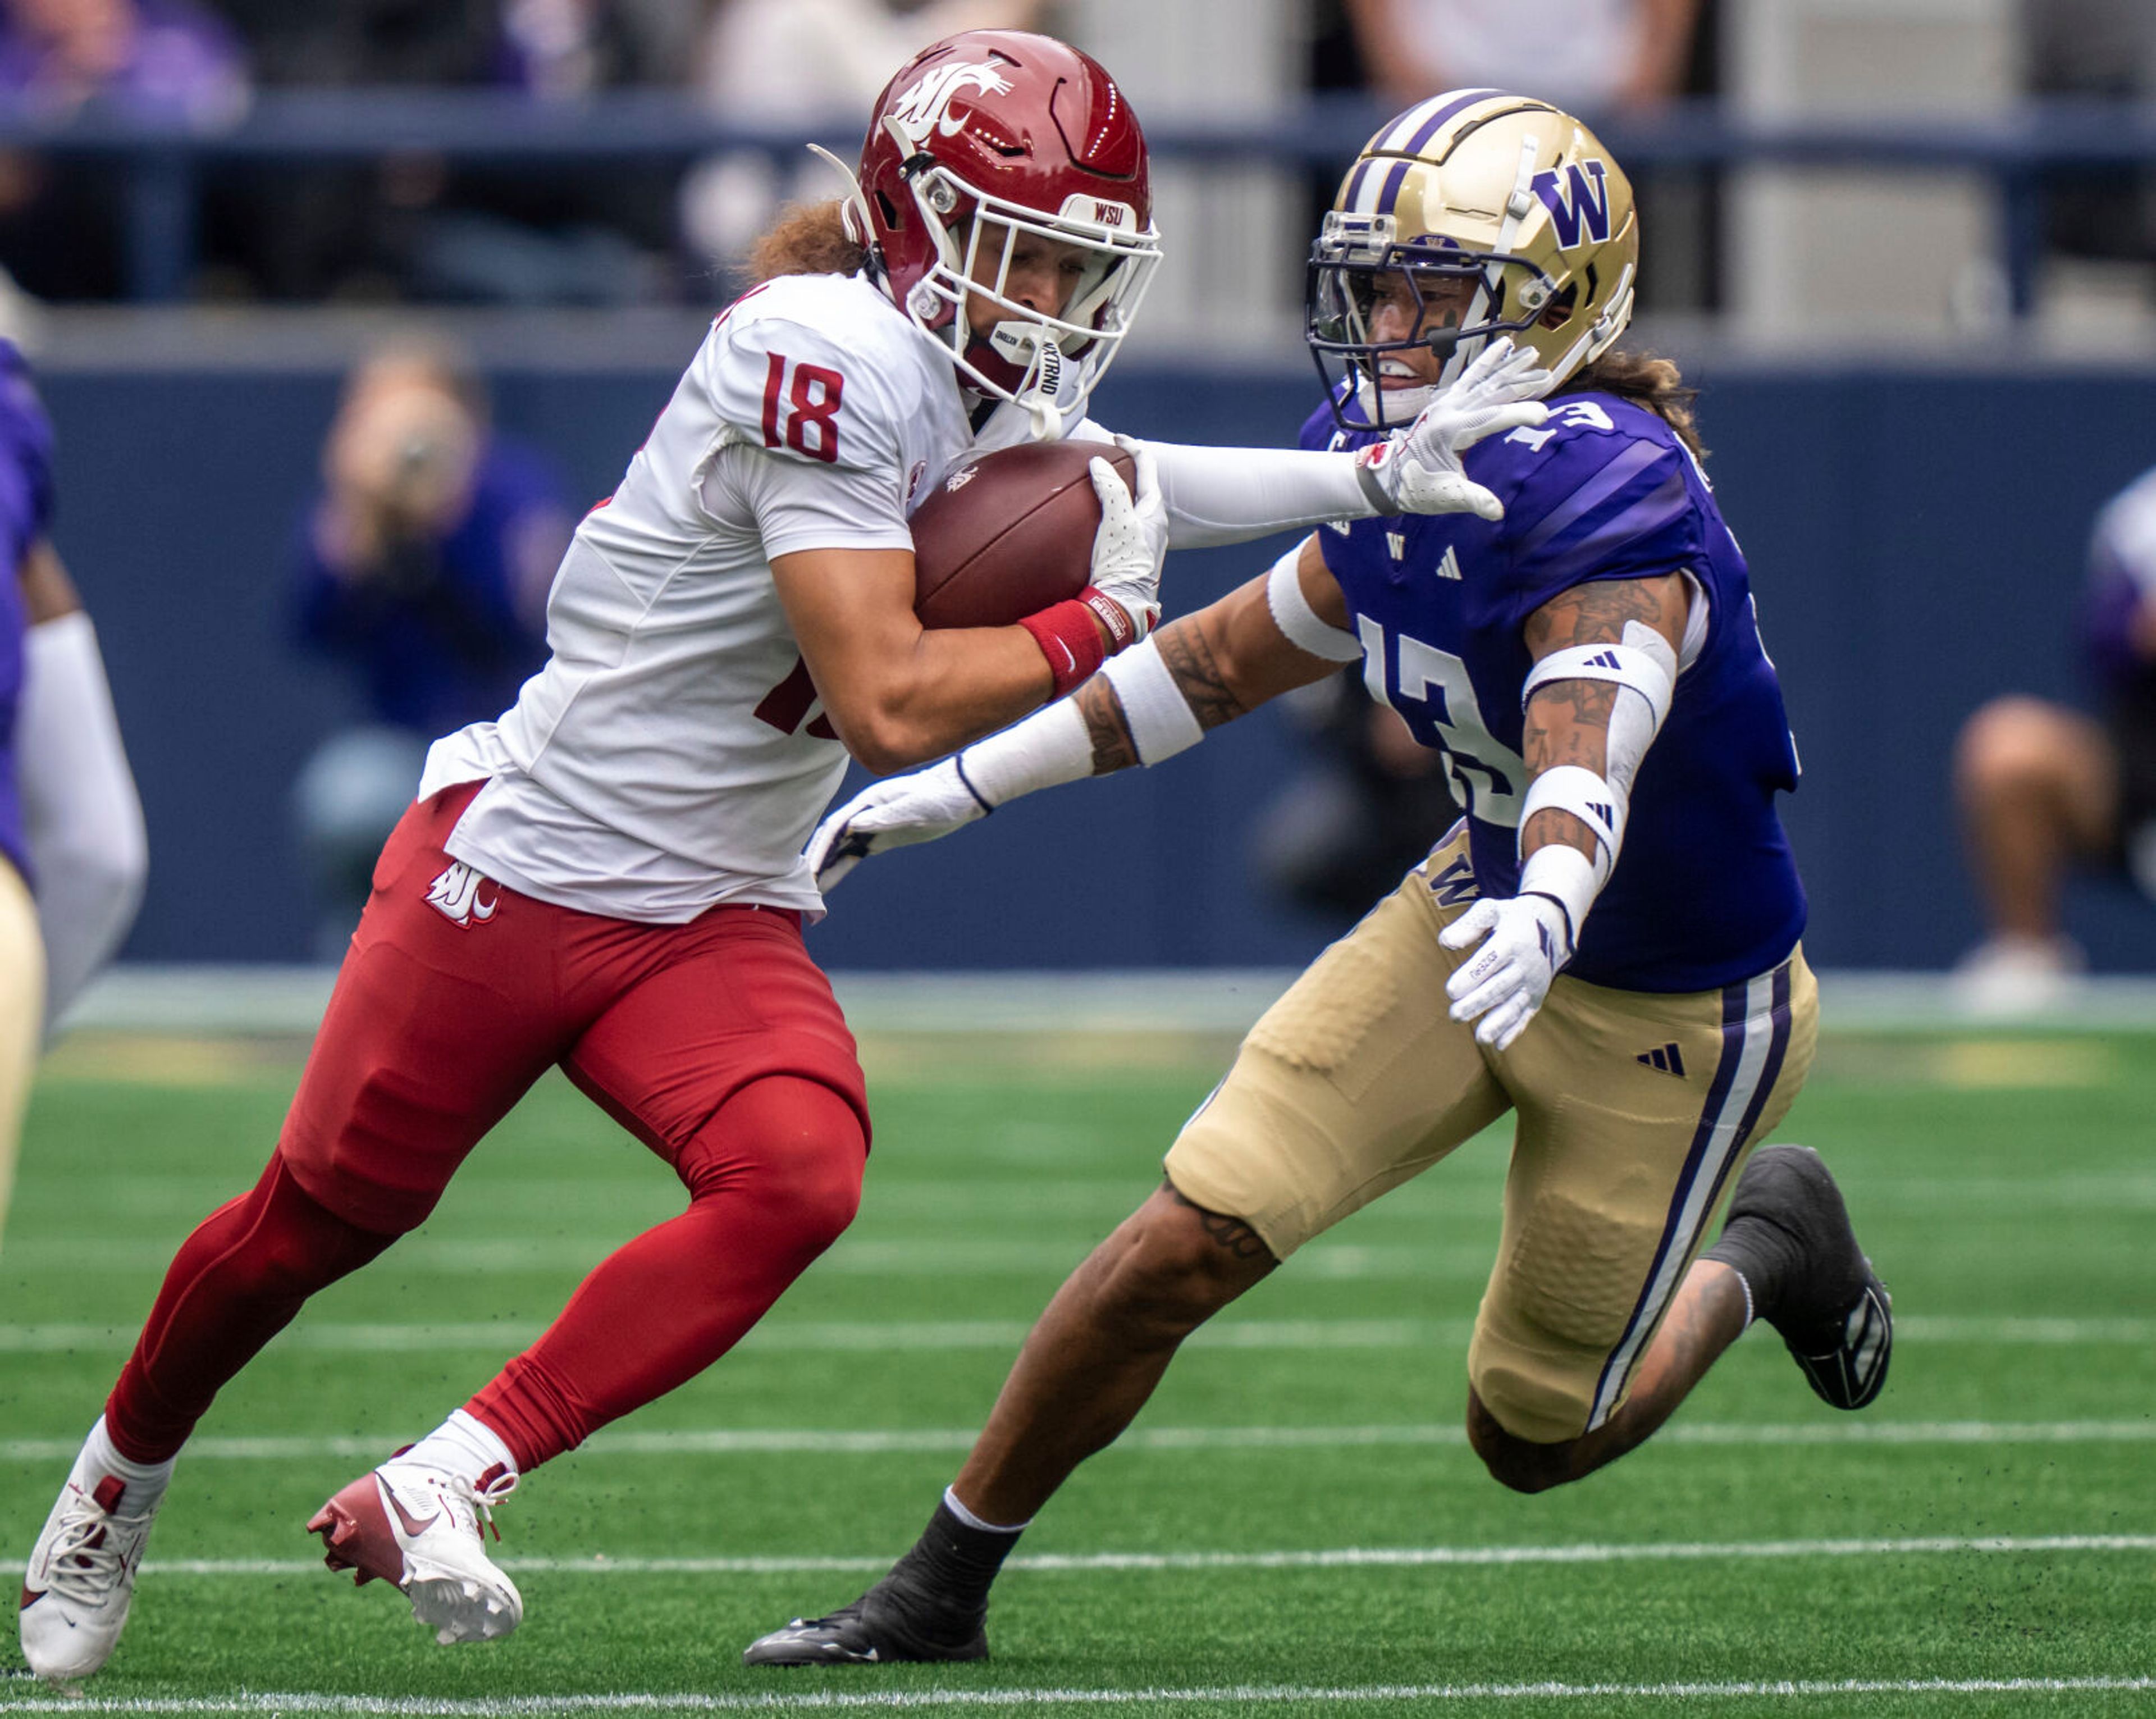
[1010, 533]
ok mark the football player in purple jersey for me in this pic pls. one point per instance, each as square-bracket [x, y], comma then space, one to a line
[73, 857]
[1607, 945]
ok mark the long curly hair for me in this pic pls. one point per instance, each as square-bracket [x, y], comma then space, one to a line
[807, 239]
[1646, 380]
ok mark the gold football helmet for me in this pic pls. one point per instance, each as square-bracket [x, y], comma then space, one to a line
[1503, 190]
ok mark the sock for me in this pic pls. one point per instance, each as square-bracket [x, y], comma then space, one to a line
[967, 1516]
[146, 1481]
[1763, 1254]
[463, 1444]
[957, 1560]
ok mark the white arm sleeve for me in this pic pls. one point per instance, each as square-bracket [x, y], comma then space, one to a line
[82, 819]
[1218, 495]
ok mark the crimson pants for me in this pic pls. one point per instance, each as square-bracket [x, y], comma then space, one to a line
[717, 1043]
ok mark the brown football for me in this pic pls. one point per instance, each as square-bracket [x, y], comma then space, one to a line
[1006, 534]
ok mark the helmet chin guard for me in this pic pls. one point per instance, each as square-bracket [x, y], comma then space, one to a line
[985, 140]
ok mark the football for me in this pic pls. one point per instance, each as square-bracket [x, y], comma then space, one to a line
[1008, 534]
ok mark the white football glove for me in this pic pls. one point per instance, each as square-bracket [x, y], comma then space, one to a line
[894, 813]
[1131, 541]
[1419, 470]
[1525, 945]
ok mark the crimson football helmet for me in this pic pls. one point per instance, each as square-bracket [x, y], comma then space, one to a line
[980, 139]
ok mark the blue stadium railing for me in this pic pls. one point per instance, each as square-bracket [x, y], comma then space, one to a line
[2023, 150]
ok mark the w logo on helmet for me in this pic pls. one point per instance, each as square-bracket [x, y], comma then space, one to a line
[926, 106]
[1575, 205]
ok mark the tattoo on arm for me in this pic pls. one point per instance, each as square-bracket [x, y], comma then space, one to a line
[1195, 667]
[1595, 614]
[1199, 676]
[1230, 1234]
[1113, 749]
[1567, 722]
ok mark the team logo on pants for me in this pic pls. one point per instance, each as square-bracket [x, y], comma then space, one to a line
[456, 895]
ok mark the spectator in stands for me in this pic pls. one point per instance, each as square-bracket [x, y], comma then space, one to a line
[72, 853]
[423, 566]
[60, 224]
[1591, 56]
[1372, 802]
[2042, 787]
[418, 226]
[782, 63]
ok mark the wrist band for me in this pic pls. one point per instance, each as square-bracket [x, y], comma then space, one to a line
[1068, 636]
[1121, 629]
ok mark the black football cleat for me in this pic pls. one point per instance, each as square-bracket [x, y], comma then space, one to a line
[1834, 1314]
[890, 1624]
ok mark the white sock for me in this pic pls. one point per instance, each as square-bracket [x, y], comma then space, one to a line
[967, 1516]
[462, 1445]
[146, 1480]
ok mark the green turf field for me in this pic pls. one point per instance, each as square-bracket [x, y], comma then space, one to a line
[1294, 1527]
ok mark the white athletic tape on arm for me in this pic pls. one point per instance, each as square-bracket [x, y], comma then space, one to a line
[1595, 801]
[1567, 877]
[1160, 718]
[1643, 666]
[1298, 621]
[1048, 747]
[1651, 673]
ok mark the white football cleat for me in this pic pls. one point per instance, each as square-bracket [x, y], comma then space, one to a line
[418, 1527]
[81, 1577]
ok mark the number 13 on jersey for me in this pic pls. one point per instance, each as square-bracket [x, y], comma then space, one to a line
[1488, 778]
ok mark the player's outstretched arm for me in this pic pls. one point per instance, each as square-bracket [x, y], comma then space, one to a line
[1605, 669]
[1279, 631]
[1217, 496]
[82, 818]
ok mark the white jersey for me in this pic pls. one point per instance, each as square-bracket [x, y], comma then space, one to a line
[671, 755]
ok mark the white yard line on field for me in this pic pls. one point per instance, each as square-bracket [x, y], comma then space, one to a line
[826, 1441]
[914, 1700]
[1318, 1559]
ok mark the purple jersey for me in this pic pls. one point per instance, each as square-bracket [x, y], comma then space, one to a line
[1705, 893]
[26, 503]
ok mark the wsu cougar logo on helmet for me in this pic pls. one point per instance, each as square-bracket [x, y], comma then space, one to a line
[926, 106]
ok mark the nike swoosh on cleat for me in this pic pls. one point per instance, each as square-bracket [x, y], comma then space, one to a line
[415, 1529]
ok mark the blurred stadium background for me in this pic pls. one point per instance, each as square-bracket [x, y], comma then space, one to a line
[1904, 245]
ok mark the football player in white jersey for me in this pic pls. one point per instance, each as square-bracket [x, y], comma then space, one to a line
[608, 879]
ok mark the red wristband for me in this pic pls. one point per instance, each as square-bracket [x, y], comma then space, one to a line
[1068, 636]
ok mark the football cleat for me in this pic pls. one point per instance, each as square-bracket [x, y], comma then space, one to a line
[81, 1577]
[1836, 1317]
[419, 1528]
[892, 1622]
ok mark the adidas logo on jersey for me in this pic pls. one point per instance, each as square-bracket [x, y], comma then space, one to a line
[1663, 1059]
[1449, 567]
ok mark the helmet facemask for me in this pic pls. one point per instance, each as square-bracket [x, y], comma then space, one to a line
[1501, 189]
[1025, 354]
[1352, 252]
